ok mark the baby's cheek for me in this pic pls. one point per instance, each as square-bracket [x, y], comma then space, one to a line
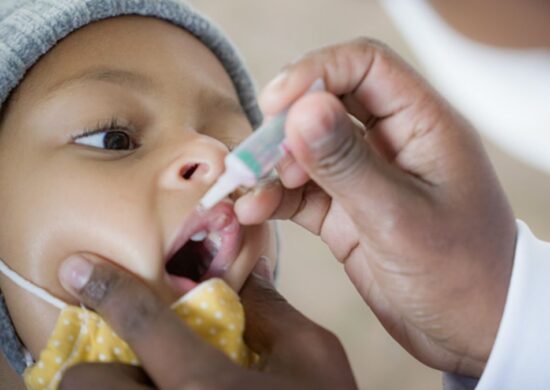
[32, 318]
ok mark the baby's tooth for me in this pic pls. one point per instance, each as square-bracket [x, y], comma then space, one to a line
[216, 239]
[200, 236]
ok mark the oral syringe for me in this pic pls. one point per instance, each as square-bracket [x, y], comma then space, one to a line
[254, 158]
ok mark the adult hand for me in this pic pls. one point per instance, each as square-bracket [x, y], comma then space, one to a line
[294, 352]
[403, 194]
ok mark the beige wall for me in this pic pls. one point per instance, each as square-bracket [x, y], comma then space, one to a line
[270, 33]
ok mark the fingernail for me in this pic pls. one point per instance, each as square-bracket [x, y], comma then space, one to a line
[75, 272]
[263, 268]
[277, 82]
[269, 99]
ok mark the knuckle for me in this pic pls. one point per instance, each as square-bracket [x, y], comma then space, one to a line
[318, 339]
[401, 222]
[328, 347]
[371, 44]
[320, 346]
[343, 157]
[137, 317]
[129, 305]
[259, 291]
[374, 43]
[101, 286]
[375, 49]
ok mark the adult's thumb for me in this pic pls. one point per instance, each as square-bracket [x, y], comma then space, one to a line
[327, 143]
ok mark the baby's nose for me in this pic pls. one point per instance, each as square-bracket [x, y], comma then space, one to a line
[202, 167]
[188, 171]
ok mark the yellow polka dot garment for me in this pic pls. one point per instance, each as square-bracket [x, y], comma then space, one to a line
[212, 309]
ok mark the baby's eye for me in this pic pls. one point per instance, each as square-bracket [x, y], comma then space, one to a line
[107, 139]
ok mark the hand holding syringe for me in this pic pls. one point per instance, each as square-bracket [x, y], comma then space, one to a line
[254, 158]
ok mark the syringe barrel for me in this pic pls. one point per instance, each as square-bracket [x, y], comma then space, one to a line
[263, 149]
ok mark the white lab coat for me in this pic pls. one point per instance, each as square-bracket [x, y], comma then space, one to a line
[519, 357]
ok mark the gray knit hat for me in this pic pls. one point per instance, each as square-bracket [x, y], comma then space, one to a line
[30, 28]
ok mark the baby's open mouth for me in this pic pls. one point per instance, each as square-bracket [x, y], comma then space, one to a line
[205, 247]
[193, 260]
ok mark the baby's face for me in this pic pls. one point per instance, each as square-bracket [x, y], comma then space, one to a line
[105, 150]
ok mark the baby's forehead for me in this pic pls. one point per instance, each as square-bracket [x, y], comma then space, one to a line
[142, 54]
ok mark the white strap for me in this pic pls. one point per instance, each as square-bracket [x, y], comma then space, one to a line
[29, 361]
[31, 287]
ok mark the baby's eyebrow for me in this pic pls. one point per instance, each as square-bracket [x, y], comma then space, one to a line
[209, 99]
[110, 75]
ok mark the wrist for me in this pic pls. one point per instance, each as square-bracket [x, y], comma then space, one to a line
[492, 311]
[485, 304]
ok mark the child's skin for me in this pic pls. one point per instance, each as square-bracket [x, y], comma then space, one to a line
[61, 198]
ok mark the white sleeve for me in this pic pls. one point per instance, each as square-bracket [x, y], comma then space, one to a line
[520, 358]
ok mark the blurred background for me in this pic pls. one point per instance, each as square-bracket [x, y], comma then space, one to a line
[490, 58]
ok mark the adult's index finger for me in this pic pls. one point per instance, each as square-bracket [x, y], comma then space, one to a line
[168, 350]
[366, 69]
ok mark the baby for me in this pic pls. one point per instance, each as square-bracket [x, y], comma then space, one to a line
[106, 146]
